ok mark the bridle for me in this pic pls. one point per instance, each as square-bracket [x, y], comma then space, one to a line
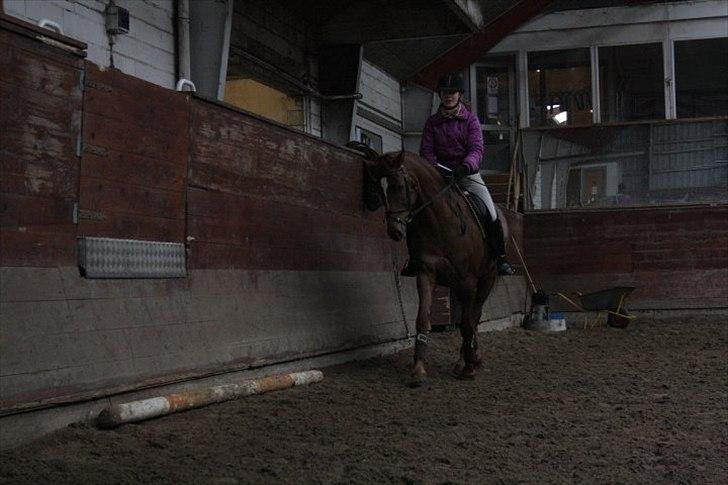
[390, 214]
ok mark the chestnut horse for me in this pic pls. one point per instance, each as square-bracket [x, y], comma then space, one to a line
[444, 240]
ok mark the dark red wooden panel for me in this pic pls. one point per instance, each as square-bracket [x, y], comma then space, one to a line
[264, 197]
[40, 114]
[135, 157]
[672, 254]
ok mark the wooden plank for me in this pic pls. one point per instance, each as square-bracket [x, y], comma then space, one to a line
[36, 68]
[118, 198]
[22, 247]
[148, 111]
[132, 226]
[24, 210]
[139, 89]
[135, 170]
[102, 134]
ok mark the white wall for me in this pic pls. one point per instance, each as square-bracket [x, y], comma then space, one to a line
[147, 51]
[380, 91]
[380, 96]
[391, 141]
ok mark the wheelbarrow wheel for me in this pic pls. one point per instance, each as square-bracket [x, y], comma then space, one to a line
[618, 321]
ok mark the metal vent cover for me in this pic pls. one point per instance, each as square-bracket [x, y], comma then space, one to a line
[103, 257]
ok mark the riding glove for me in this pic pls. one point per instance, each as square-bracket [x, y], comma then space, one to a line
[461, 171]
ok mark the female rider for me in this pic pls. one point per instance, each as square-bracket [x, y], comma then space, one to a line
[453, 138]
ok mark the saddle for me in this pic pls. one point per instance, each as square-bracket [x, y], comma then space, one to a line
[477, 209]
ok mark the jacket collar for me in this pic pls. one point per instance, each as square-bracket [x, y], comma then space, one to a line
[462, 115]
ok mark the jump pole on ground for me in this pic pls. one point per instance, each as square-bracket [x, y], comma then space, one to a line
[134, 411]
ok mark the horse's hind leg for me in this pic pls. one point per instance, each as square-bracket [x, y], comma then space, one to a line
[468, 328]
[425, 288]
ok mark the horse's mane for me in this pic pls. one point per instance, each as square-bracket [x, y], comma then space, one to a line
[418, 167]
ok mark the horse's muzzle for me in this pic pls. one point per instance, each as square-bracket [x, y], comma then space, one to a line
[395, 230]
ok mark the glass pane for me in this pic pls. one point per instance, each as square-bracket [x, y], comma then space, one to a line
[265, 100]
[635, 164]
[493, 91]
[497, 151]
[559, 87]
[701, 77]
[631, 82]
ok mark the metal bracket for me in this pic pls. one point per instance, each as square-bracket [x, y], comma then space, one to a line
[185, 82]
[94, 150]
[51, 25]
[99, 86]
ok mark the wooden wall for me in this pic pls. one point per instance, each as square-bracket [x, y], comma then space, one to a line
[676, 256]
[133, 174]
[283, 259]
[262, 197]
[40, 121]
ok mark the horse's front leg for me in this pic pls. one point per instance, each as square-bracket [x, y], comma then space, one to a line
[425, 288]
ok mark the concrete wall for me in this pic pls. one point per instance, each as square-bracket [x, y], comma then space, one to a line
[677, 257]
[147, 51]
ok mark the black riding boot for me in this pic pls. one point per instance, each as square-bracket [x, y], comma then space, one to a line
[497, 242]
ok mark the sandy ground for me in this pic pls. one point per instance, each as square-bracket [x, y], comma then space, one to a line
[643, 405]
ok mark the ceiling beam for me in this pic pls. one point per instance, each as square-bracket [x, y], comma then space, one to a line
[469, 11]
[476, 45]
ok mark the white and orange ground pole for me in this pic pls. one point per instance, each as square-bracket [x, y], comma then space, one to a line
[134, 411]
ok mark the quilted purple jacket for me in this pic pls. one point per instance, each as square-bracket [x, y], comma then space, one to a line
[451, 141]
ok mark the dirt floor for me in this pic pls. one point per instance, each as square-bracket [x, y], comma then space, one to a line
[647, 404]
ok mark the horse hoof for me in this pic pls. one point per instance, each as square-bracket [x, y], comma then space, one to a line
[415, 383]
[467, 374]
[417, 380]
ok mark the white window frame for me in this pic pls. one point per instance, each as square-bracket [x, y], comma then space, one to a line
[665, 24]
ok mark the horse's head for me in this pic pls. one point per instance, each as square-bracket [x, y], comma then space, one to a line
[401, 193]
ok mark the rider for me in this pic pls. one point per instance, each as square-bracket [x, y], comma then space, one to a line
[453, 138]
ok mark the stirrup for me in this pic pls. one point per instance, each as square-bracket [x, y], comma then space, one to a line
[504, 267]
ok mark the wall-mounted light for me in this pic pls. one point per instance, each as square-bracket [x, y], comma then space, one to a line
[117, 20]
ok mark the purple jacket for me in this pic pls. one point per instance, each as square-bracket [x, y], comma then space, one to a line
[451, 141]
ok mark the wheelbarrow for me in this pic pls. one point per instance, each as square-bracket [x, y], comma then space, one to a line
[610, 301]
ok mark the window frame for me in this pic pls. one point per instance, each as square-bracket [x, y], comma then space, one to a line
[669, 70]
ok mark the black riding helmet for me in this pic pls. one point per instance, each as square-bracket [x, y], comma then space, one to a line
[451, 81]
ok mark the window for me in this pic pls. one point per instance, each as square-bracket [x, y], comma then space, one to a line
[493, 90]
[371, 139]
[265, 101]
[631, 82]
[701, 77]
[559, 87]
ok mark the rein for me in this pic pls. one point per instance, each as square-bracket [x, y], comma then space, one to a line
[389, 214]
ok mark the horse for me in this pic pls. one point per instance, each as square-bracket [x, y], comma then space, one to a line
[445, 244]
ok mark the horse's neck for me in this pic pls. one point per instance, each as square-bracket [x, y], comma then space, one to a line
[432, 188]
